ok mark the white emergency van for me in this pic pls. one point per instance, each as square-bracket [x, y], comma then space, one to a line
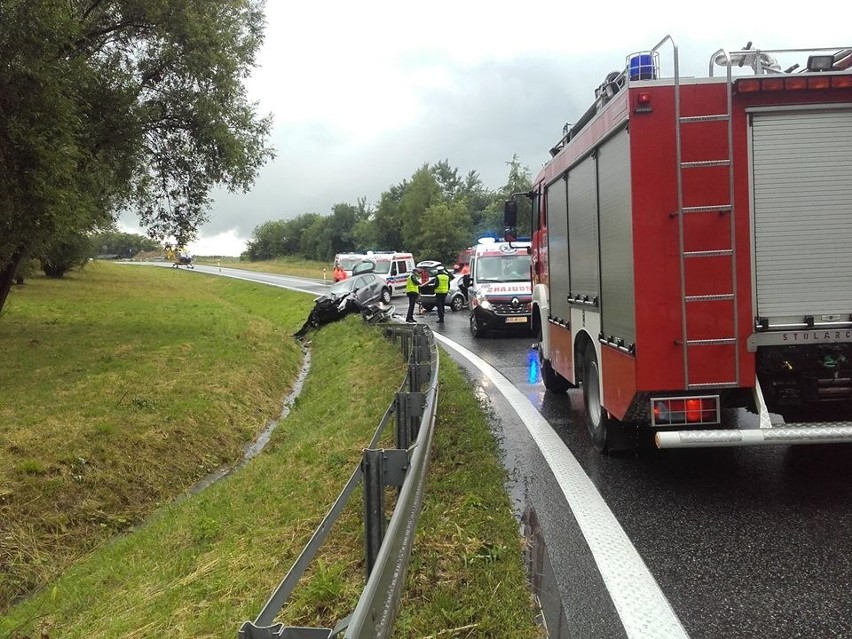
[393, 267]
[500, 293]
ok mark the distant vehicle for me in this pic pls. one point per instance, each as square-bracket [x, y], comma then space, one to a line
[363, 288]
[180, 257]
[429, 269]
[343, 263]
[392, 266]
[501, 287]
[456, 299]
[363, 293]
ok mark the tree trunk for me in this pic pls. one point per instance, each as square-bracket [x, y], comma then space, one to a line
[7, 277]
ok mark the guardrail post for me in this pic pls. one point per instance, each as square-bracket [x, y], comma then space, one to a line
[372, 468]
[421, 344]
[409, 411]
[419, 364]
[406, 344]
[380, 468]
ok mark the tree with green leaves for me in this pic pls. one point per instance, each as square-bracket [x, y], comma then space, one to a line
[62, 254]
[268, 241]
[342, 228]
[114, 104]
[422, 192]
[446, 231]
[120, 244]
[388, 219]
[315, 243]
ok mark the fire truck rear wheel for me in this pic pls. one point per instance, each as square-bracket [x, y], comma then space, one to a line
[607, 433]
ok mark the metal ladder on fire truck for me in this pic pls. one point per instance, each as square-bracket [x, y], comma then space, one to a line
[722, 208]
[714, 207]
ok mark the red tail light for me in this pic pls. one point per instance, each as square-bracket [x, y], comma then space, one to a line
[693, 410]
[685, 410]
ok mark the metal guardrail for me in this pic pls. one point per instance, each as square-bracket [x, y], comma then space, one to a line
[387, 550]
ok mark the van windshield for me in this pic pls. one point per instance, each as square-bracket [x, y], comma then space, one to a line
[346, 263]
[503, 268]
[383, 267]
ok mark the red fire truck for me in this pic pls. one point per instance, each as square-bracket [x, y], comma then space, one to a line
[692, 250]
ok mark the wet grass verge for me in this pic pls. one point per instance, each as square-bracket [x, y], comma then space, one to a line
[184, 370]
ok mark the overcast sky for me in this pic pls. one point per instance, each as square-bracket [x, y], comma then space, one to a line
[364, 93]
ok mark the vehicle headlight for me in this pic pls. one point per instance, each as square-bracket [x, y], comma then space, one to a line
[484, 303]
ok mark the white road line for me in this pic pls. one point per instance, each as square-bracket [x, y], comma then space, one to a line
[256, 279]
[642, 607]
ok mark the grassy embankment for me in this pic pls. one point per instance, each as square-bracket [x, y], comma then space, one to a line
[124, 385]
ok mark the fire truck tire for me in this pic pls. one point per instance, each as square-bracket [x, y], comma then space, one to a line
[607, 433]
[386, 295]
[553, 381]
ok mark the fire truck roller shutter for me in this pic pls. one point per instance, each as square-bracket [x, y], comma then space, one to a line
[802, 213]
[557, 247]
[583, 230]
[616, 233]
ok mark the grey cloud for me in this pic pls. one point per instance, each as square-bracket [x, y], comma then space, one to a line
[488, 113]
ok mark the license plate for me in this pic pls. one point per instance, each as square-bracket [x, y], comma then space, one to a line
[517, 320]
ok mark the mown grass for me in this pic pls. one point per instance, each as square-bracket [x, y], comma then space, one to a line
[123, 386]
[201, 565]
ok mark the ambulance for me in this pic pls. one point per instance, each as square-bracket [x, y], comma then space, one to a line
[500, 293]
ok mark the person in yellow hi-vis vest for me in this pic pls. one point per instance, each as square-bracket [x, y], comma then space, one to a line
[442, 287]
[412, 291]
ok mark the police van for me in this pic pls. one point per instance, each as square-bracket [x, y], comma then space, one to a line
[391, 266]
[500, 293]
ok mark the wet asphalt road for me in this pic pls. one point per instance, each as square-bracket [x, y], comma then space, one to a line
[748, 542]
[743, 543]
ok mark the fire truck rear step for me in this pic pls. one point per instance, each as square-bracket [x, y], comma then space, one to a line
[815, 433]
